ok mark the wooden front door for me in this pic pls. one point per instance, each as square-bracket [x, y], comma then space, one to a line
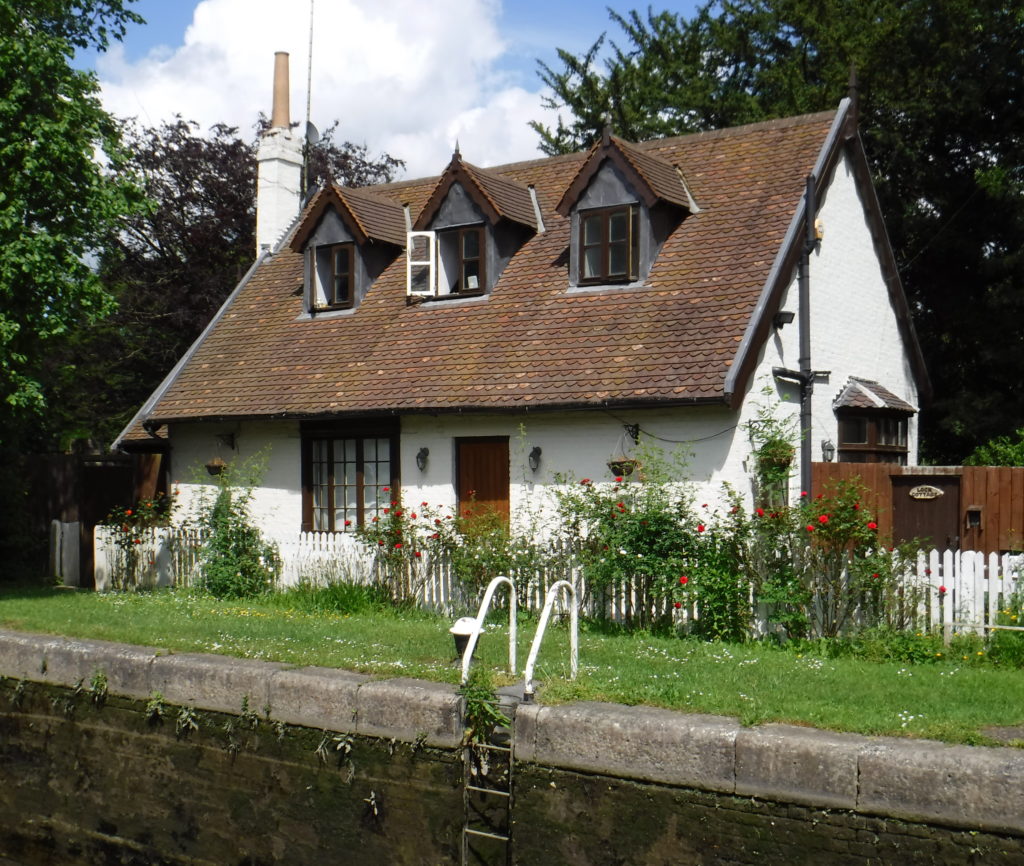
[927, 507]
[482, 474]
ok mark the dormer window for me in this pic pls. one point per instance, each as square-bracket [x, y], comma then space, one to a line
[333, 272]
[462, 253]
[623, 203]
[348, 238]
[467, 232]
[609, 244]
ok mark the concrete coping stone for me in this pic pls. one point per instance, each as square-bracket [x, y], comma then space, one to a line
[973, 787]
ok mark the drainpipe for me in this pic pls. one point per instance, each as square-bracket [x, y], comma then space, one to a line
[806, 374]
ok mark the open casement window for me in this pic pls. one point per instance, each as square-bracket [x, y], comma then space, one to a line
[609, 245]
[347, 479]
[462, 254]
[868, 437]
[447, 262]
[333, 271]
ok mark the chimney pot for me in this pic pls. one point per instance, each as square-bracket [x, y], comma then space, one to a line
[280, 116]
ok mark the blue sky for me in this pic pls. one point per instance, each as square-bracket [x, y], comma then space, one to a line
[401, 76]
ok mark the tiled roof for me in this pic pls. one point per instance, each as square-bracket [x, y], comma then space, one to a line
[532, 342]
[502, 196]
[868, 394]
[371, 216]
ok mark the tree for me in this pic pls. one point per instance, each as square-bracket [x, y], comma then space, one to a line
[173, 264]
[940, 84]
[58, 205]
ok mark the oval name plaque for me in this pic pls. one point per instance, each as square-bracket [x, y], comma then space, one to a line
[925, 491]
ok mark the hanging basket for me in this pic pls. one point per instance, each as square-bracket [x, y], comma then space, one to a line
[216, 466]
[623, 466]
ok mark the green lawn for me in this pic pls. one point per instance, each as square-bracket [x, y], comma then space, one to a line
[950, 699]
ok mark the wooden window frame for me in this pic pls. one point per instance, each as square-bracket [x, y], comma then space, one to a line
[329, 285]
[604, 244]
[457, 236]
[873, 451]
[331, 434]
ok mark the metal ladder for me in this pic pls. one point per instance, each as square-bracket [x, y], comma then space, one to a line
[487, 797]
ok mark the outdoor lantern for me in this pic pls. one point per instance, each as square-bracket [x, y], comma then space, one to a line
[534, 458]
[421, 458]
[828, 450]
[462, 630]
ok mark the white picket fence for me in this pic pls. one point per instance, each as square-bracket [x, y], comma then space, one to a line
[954, 590]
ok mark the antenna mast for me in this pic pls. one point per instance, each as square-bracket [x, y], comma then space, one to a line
[309, 99]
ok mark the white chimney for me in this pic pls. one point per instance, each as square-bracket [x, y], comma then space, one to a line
[279, 167]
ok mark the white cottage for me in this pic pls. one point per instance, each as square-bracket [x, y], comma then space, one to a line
[487, 329]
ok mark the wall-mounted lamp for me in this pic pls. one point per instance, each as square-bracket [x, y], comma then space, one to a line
[227, 440]
[421, 458]
[783, 317]
[828, 450]
[534, 458]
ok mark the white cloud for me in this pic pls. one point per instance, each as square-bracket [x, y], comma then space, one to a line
[407, 78]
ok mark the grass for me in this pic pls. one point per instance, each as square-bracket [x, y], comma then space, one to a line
[952, 697]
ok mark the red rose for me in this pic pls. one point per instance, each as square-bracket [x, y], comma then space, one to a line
[128, 512]
[942, 590]
[684, 580]
[809, 528]
[348, 522]
[823, 518]
[398, 544]
[803, 492]
[417, 554]
[618, 479]
[679, 604]
[875, 574]
[700, 527]
[760, 512]
[872, 525]
[386, 489]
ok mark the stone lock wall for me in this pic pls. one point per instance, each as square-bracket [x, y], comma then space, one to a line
[258, 763]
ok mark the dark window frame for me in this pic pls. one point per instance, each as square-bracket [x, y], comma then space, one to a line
[875, 449]
[457, 237]
[330, 436]
[605, 243]
[329, 285]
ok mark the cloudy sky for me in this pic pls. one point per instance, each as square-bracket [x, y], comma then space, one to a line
[406, 78]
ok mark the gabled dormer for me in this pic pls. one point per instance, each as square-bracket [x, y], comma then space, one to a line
[622, 205]
[347, 238]
[473, 223]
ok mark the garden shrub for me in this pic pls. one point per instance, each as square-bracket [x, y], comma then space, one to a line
[237, 562]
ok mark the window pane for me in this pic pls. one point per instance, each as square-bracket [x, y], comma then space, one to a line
[591, 230]
[617, 223]
[471, 245]
[592, 263]
[618, 259]
[853, 430]
[471, 272]
[341, 260]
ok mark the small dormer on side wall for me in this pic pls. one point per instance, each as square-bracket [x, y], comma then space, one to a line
[347, 239]
[622, 205]
[476, 220]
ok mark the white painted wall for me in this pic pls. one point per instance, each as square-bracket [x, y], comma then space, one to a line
[854, 330]
[277, 505]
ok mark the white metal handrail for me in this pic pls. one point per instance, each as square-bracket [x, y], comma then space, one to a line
[467, 653]
[574, 634]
